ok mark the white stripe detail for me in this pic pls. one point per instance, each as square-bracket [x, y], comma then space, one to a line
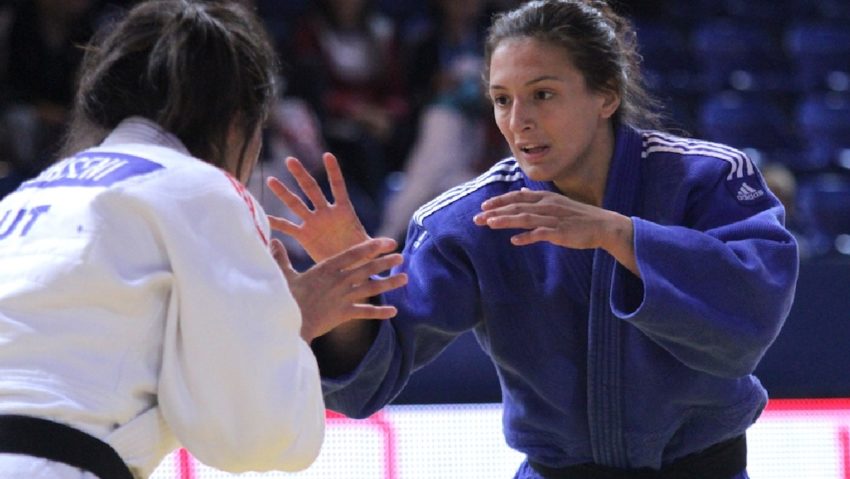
[678, 140]
[731, 161]
[740, 162]
[505, 171]
[420, 239]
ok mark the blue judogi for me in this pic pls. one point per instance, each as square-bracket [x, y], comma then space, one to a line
[597, 365]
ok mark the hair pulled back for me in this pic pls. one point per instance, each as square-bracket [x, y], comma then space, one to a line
[601, 44]
[193, 67]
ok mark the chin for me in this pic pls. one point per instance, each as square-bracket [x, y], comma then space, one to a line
[535, 173]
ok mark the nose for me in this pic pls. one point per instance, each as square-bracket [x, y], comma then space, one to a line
[522, 116]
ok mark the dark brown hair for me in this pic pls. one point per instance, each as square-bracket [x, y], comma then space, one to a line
[601, 44]
[193, 67]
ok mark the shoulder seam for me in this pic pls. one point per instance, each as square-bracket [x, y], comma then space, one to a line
[504, 171]
[657, 142]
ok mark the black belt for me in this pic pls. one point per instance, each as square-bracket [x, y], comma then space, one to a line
[721, 461]
[57, 442]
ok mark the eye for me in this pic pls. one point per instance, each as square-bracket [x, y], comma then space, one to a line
[543, 95]
[500, 100]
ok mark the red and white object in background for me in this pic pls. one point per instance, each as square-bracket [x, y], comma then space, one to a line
[793, 438]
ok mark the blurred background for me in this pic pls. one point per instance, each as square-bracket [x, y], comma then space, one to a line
[393, 88]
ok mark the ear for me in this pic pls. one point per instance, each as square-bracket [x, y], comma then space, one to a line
[610, 103]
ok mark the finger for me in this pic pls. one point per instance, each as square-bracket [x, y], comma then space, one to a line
[523, 220]
[282, 258]
[370, 311]
[308, 184]
[522, 196]
[529, 237]
[361, 253]
[484, 217]
[335, 178]
[285, 195]
[541, 209]
[378, 286]
[362, 273]
[283, 225]
[556, 236]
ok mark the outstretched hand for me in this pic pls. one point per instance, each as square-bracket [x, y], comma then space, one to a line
[330, 227]
[553, 217]
[337, 289]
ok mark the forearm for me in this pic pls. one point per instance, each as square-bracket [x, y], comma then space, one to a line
[340, 351]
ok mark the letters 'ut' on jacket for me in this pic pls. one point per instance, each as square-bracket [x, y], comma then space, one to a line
[597, 365]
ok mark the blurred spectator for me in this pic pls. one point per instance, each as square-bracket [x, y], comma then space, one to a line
[782, 182]
[40, 54]
[345, 63]
[446, 90]
[445, 64]
[281, 19]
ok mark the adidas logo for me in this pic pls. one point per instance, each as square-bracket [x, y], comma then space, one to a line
[748, 193]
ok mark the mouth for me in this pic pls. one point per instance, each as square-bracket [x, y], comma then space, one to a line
[533, 150]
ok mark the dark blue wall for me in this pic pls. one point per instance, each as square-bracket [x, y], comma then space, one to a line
[810, 358]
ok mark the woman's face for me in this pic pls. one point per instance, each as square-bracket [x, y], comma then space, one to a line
[556, 127]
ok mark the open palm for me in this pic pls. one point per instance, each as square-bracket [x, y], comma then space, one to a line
[330, 226]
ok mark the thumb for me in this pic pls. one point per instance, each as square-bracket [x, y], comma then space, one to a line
[282, 258]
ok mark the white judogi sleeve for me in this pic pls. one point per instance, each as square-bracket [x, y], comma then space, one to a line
[238, 386]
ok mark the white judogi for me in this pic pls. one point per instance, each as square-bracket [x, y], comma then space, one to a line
[139, 303]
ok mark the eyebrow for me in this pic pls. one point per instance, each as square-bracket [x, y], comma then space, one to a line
[532, 81]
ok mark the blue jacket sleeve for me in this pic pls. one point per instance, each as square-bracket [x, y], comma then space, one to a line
[439, 303]
[716, 288]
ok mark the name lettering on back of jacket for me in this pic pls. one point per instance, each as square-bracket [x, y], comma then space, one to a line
[92, 169]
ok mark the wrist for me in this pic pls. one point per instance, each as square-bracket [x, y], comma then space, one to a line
[619, 241]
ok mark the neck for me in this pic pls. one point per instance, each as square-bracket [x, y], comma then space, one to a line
[587, 185]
